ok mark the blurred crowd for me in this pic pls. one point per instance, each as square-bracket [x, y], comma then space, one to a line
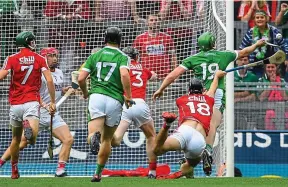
[84, 22]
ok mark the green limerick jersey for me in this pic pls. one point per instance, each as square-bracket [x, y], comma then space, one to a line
[104, 69]
[249, 77]
[206, 63]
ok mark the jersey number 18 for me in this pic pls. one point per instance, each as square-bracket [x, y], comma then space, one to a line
[201, 108]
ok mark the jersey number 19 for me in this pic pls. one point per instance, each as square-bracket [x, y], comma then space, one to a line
[208, 72]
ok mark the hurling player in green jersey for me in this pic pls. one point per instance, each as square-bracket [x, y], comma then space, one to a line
[109, 73]
[204, 65]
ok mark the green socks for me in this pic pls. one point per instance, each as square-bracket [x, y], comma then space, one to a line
[209, 148]
[99, 169]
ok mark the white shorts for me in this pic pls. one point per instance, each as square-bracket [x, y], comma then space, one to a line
[18, 113]
[105, 106]
[45, 119]
[192, 142]
[139, 114]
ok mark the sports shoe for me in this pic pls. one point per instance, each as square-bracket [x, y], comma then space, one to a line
[15, 172]
[207, 162]
[95, 143]
[169, 117]
[27, 130]
[96, 178]
[61, 172]
[151, 176]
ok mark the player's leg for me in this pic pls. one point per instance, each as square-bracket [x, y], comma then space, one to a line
[7, 154]
[126, 120]
[112, 110]
[119, 133]
[104, 151]
[150, 134]
[94, 136]
[14, 147]
[207, 154]
[193, 143]
[162, 143]
[61, 131]
[214, 124]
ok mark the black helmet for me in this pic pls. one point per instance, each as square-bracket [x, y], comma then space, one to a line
[195, 86]
[131, 52]
[113, 35]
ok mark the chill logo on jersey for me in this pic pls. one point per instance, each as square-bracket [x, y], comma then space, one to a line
[136, 67]
[157, 49]
[27, 60]
[202, 107]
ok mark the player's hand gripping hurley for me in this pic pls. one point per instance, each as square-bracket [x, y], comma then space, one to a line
[75, 85]
[278, 58]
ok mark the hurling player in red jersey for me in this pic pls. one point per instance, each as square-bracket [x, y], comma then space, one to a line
[195, 112]
[26, 68]
[157, 51]
[138, 114]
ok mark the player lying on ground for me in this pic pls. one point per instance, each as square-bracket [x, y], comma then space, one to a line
[195, 112]
[26, 69]
[109, 72]
[139, 114]
[60, 128]
[205, 64]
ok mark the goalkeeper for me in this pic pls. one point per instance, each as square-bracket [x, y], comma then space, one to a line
[204, 65]
[109, 72]
[60, 128]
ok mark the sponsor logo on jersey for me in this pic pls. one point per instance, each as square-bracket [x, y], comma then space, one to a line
[27, 60]
[136, 66]
[157, 49]
[108, 53]
[197, 98]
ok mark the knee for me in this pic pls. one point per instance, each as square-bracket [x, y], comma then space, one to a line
[69, 140]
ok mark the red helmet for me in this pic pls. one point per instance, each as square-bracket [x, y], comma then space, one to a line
[48, 50]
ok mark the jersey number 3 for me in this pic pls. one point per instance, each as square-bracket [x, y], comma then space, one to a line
[29, 71]
[201, 108]
[138, 77]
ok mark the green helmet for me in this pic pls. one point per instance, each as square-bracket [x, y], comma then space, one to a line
[24, 39]
[206, 41]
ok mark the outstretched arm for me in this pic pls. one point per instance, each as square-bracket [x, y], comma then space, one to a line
[219, 74]
[248, 50]
[168, 80]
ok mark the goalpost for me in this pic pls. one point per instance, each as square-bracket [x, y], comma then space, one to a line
[72, 29]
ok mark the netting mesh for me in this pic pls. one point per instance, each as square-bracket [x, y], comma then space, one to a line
[76, 28]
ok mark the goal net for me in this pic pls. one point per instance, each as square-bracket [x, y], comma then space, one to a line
[76, 28]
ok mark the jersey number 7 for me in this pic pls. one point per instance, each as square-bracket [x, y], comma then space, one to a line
[29, 71]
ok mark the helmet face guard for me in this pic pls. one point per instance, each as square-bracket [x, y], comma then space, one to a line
[50, 51]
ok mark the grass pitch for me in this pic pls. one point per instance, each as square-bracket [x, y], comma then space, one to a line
[143, 182]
